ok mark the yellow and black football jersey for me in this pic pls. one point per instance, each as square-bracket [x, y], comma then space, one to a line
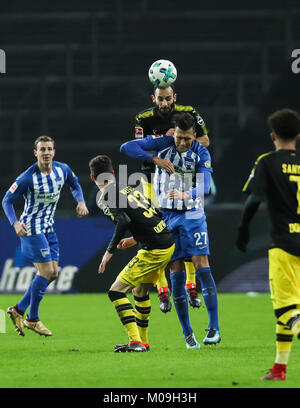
[132, 211]
[276, 176]
[150, 122]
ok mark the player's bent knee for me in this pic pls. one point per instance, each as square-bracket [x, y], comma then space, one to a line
[140, 291]
[114, 295]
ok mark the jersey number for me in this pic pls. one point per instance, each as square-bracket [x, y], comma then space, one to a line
[198, 237]
[296, 179]
[141, 201]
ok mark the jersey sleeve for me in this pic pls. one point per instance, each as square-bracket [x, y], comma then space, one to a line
[201, 128]
[72, 181]
[138, 149]
[247, 188]
[122, 222]
[203, 174]
[141, 129]
[138, 127]
[115, 214]
[259, 182]
[17, 190]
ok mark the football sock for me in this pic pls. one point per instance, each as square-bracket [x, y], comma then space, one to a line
[142, 314]
[126, 314]
[180, 301]
[162, 282]
[284, 336]
[190, 273]
[284, 315]
[25, 301]
[209, 293]
[38, 289]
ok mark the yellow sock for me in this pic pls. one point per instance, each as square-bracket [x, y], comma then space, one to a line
[126, 314]
[284, 338]
[142, 314]
[190, 273]
[162, 281]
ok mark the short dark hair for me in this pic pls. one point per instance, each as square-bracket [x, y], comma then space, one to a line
[100, 164]
[285, 123]
[43, 139]
[184, 121]
[163, 87]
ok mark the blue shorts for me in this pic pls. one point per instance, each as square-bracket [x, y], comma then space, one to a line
[190, 234]
[41, 247]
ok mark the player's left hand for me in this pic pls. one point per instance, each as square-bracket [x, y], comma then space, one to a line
[242, 239]
[179, 195]
[106, 258]
[81, 209]
[170, 132]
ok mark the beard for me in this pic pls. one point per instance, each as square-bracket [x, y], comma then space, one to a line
[165, 111]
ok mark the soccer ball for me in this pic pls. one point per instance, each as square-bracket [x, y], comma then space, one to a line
[162, 73]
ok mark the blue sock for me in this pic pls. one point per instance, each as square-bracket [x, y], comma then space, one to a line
[180, 301]
[38, 289]
[25, 301]
[209, 293]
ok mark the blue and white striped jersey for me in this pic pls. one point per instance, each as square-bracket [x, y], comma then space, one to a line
[193, 170]
[41, 192]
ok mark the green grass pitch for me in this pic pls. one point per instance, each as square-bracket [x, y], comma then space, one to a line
[86, 328]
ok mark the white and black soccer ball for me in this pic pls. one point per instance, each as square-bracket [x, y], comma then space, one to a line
[162, 73]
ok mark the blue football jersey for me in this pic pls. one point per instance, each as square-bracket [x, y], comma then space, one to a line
[192, 170]
[41, 192]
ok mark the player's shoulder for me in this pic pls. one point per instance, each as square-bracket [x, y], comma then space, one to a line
[61, 165]
[184, 108]
[263, 157]
[28, 173]
[146, 113]
[202, 154]
[199, 149]
[161, 140]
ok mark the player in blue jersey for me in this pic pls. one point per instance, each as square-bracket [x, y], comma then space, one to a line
[40, 185]
[182, 177]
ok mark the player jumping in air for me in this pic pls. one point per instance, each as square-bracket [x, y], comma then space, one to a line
[182, 177]
[159, 120]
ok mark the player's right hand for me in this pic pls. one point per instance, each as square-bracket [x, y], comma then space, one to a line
[106, 258]
[20, 229]
[126, 243]
[164, 164]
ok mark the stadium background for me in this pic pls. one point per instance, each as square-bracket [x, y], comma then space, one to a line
[78, 72]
